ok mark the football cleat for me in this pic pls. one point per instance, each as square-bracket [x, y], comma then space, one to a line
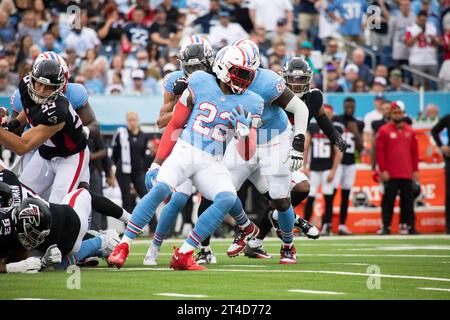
[241, 239]
[256, 253]
[184, 261]
[384, 231]
[110, 239]
[288, 254]
[403, 228]
[206, 257]
[307, 228]
[89, 262]
[343, 230]
[152, 256]
[119, 255]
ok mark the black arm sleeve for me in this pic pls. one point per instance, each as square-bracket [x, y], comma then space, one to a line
[116, 149]
[327, 127]
[436, 130]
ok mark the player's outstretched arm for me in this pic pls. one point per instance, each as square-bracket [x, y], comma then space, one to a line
[87, 117]
[30, 140]
[330, 131]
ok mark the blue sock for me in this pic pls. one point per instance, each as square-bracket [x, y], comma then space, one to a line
[89, 248]
[211, 219]
[146, 208]
[168, 217]
[286, 223]
[238, 213]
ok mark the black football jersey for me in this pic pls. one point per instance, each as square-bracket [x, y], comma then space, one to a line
[313, 100]
[349, 154]
[8, 238]
[321, 150]
[66, 142]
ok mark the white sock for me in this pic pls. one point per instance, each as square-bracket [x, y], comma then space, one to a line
[255, 243]
[186, 247]
[125, 217]
[275, 215]
[125, 239]
[245, 225]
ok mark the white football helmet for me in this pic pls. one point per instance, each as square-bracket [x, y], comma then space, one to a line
[50, 55]
[196, 54]
[252, 48]
[234, 67]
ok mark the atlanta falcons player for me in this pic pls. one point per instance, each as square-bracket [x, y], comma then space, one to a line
[56, 130]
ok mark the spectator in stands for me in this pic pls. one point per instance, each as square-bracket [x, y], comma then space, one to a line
[24, 48]
[240, 13]
[226, 32]
[91, 81]
[397, 140]
[93, 8]
[282, 35]
[7, 30]
[110, 31]
[266, 13]
[351, 25]
[332, 77]
[117, 66]
[431, 7]
[379, 85]
[379, 34]
[11, 57]
[6, 89]
[351, 75]
[279, 55]
[359, 86]
[395, 81]
[444, 76]
[444, 123]
[171, 11]
[364, 72]
[308, 18]
[381, 70]
[29, 26]
[50, 44]
[210, 19]
[138, 88]
[332, 51]
[327, 26]
[136, 35]
[423, 40]
[163, 33]
[375, 114]
[84, 38]
[148, 13]
[115, 86]
[13, 78]
[305, 51]
[431, 112]
[398, 24]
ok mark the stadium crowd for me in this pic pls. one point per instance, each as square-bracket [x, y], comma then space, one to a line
[126, 47]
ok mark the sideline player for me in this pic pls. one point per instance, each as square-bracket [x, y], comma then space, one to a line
[206, 109]
[56, 130]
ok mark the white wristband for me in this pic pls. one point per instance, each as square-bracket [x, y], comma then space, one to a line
[154, 166]
[87, 131]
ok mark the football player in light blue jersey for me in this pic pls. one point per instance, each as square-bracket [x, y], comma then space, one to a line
[205, 110]
[78, 98]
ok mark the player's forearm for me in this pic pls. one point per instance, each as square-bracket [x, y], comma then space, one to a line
[13, 142]
[336, 159]
[301, 113]
[164, 118]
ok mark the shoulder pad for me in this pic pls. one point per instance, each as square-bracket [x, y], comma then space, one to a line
[77, 95]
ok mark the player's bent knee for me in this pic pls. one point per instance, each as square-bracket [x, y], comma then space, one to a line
[281, 204]
[179, 200]
[303, 186]
[225, 200]
[83, 185]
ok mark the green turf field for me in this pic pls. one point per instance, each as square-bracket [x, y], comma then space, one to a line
[329, 268]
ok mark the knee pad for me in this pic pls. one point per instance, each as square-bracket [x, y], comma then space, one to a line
[162, 189]
[225, 200]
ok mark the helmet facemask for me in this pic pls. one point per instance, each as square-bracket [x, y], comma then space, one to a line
[31, 238]
[298, 81]
[195, 57]
[40, 97]
[240, 78]
[32, 226]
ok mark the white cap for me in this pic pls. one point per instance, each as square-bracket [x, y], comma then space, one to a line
[398, 104]
[351, 67]
[380, 80]
[137, 74]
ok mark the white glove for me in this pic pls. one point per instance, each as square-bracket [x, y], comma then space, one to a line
[296, 159]
[51, 257]
[30, 265]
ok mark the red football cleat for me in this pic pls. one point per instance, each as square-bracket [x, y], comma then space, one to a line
[288, 254]
[119, 255]
[184, 261]
[241, 239]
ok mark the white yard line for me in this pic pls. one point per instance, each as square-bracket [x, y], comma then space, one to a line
[180, 295]
[333, 255]
[352, 264]
[435, 289]
[315, 291]
[341, 273]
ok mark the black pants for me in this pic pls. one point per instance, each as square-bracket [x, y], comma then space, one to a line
[98, 221]
[138, 181]
[392, 187]
[447, 194]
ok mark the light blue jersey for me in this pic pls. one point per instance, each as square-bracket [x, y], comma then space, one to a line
[75, 93]
[170, 79]
[352, 11]
[270, 86]
[208, 123]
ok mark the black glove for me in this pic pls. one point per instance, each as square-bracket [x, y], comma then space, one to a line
[299, 143]
[339, 142]
[179, 86]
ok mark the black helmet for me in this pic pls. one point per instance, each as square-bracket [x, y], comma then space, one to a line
[298, 74]
[49, 73]
[360, 199]
[33, 220]
[6, 197]
[196, 56]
